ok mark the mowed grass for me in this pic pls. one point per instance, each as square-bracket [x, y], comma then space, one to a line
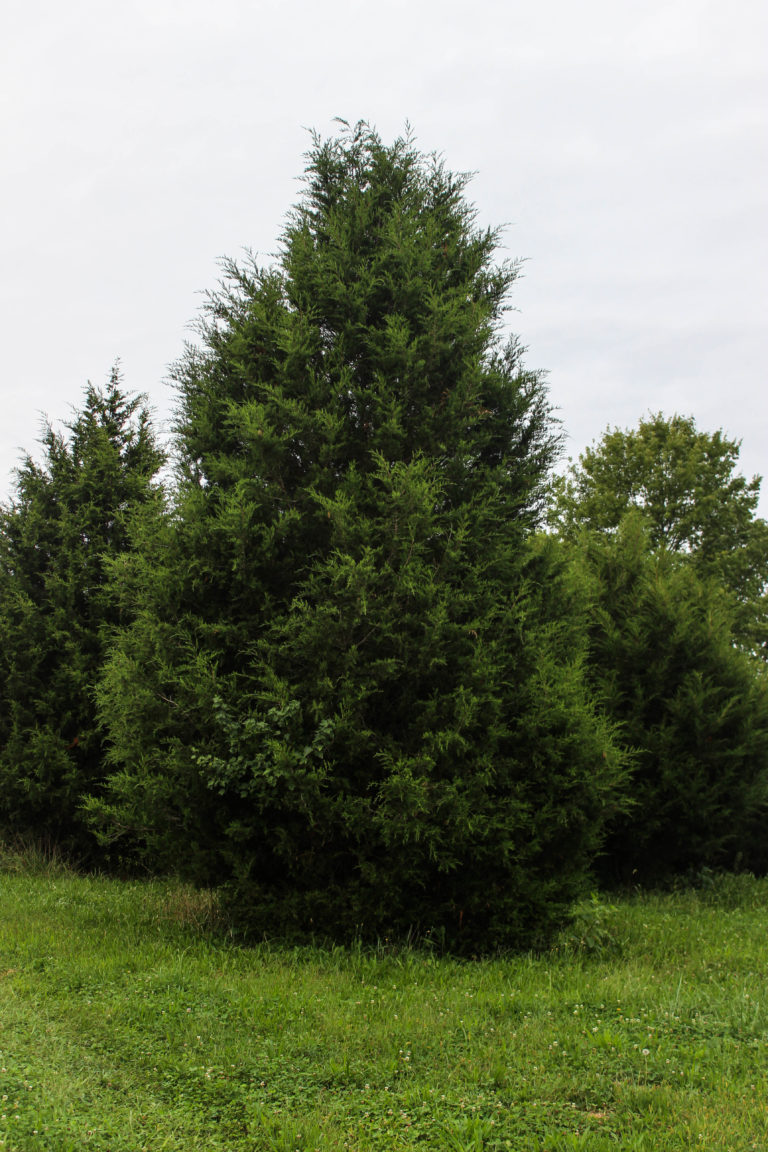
[128, 1023]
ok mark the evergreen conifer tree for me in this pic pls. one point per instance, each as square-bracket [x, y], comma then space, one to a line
[69, 513]
[353, 691]
[689, 702]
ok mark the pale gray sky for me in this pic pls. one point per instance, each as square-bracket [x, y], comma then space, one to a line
[624, 143]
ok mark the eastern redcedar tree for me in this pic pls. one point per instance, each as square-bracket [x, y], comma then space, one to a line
[68, 514]
[690, 703]
[353, 693]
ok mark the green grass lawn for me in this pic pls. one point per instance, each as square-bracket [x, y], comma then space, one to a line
[127, 1024]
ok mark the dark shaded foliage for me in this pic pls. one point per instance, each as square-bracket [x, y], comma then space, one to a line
[691, 704]
[68, 515]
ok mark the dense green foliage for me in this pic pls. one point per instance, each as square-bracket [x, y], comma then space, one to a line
[664, 530]
[338, 670]
[69, 514]
[353, 690]
[691, 704]
[693, 501]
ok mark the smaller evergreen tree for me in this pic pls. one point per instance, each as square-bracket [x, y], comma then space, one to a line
[68, 514]
[691, 705]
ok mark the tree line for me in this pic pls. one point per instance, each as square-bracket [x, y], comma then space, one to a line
[362, 660]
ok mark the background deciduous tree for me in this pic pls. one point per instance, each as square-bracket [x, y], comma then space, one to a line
[692, 499]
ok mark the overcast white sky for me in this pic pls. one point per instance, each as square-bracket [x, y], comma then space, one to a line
[624, 143]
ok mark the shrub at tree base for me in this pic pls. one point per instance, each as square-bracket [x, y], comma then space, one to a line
[353, 691]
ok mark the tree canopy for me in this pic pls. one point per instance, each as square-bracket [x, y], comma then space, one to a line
[693, 501]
